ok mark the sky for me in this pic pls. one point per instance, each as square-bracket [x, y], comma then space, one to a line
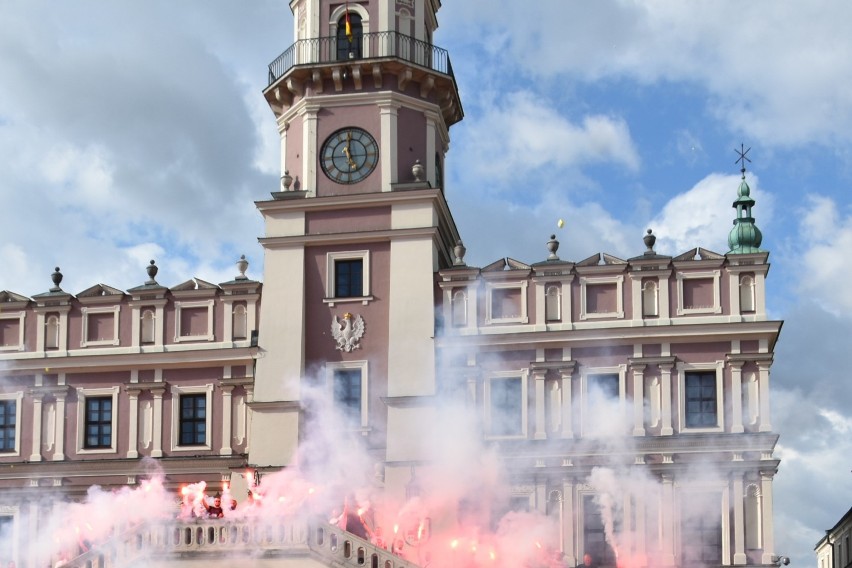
[132, 131]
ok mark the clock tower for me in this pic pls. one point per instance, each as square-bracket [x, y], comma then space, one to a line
[356, 232]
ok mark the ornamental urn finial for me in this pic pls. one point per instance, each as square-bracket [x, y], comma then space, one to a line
[56, 277]
[152, 270]
[417, 170]
[649, 240]
[552, 247]
[286, 180]
[459, 251]
[242, 266]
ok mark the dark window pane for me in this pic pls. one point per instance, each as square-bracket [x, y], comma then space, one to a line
[506, 400]
[347, 393]
[701, 403]
[193, 420]
[349, 278]
[7, 425]
[98, 422]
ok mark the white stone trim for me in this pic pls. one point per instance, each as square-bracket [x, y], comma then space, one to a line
[180, 305]
[490, 287]
[716, 308]
[82, 395]
[21, 317]
[522, 374]
[177, 392]
[682, 369]
[363, 366]
[87, 311]
[586, 281]
[18, 397]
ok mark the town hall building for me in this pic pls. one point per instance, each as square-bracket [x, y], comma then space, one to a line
[625, 402]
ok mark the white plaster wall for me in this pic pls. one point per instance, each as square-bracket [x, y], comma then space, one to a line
[411, 315]
[282, 315]
[274, 437]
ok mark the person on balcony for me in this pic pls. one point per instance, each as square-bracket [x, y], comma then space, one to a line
[215, 510]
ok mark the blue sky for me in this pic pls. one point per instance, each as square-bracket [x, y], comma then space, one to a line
[131, 131]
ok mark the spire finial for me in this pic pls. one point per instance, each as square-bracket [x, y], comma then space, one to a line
[742, 159]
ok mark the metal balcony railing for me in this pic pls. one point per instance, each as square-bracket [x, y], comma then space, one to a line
[374, 45]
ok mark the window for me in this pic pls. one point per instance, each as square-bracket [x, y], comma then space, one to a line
[8, 425]
[347, 383]
[98, 422]
[347, 49]
[439, 172]
[594, 534]
[552, 304]
[752, 508]
[348, 277]
[701, 400]
[347, 393]
[506, 411]
[603, 410]
[193, 420]
[701, 536]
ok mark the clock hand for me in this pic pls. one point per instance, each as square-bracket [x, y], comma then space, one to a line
[346, 151]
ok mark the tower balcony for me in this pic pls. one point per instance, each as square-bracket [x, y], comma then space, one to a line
[376, 54]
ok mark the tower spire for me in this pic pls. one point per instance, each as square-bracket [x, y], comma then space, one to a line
[745, 237]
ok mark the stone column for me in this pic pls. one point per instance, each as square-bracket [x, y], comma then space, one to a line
[569, 554]
[667, 548]
[666, 398]
[540, 427]
[226, 449]
[38, 400]
[59, 454]
[567, 412]
[763, 393]
[638, 400]
[766, 514]
[739, 522]
[157, 426]
[736, 396]
[133, 423]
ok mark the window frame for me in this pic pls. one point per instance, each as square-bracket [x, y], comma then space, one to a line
[690, 494]
[21, 317]
[650, 290]
[523, 375]
[715, 275]
[177, 393]
[181, 305]
[682, 370]
[17, 398]
[82, 395]
[586, 281]
[363, 424]
[491, 287]
[331, 277]
[87, 311]
[585, 373]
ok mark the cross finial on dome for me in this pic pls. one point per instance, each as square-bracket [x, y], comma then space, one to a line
[742, 159]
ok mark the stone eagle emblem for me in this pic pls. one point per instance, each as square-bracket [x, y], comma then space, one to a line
[347, 333]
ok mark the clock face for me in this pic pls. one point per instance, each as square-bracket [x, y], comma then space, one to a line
[349, 155]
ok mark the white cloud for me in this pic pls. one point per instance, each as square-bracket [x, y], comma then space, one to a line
[531, 133]
[824, 252]
[769, 70]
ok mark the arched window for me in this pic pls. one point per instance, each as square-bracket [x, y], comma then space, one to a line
[746, 294]
[459, 304]
[147, 325]
[349, 47]
[240, 324]
[552, 304]
[650, 307]
[51, 336]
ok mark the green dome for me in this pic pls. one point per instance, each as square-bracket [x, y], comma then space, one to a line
[745, 237]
